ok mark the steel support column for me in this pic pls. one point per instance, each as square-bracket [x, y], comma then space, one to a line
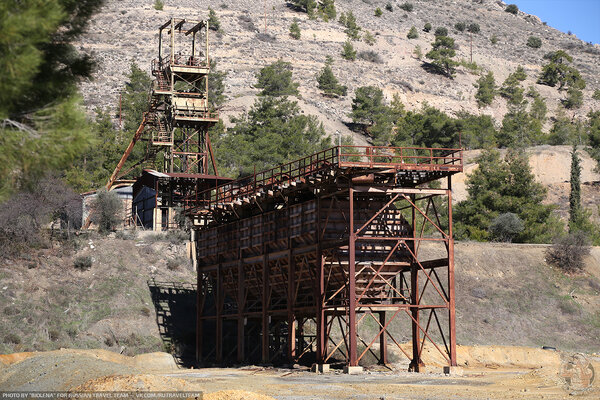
[383, 353]
[352, 356]
[451, 300]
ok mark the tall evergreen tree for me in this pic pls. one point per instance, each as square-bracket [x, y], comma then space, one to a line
[276, 80]
[575, 194]
[441, 53]
[273, 132]
[486, 90]
[501, 186]
[43, 126]
[328, 83]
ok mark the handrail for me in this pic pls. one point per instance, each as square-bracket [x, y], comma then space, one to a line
[419, 158]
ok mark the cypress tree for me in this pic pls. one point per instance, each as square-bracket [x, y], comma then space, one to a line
[575, 195]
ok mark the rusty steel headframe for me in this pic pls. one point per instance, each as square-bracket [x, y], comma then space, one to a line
[328, 259]
[179, 113]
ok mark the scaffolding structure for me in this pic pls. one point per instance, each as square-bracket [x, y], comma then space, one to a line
[320, 260]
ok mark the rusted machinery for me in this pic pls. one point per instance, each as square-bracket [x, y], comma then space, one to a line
[328, 258]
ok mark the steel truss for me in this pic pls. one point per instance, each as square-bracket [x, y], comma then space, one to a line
[328, 270]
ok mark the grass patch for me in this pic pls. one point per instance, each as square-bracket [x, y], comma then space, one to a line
[567, 305]
[594, 320]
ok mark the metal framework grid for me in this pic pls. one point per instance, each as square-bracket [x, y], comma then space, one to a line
[318, 259]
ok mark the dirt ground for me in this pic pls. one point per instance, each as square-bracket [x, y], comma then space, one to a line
[485, 372]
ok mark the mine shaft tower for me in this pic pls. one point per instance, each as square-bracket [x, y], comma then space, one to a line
[330, 258]
[178, 153]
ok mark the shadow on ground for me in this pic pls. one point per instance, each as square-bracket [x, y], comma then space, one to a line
[175, 305]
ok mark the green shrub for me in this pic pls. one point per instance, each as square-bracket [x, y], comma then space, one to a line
[105, 211]
[473, 27]
[574, 98]
[418, 52]
[412, 33]
[534, 42]
[427, 27]
[441, 31]
[177, 236]
[505, 227]
[295, 30]
[369, 38]
[327, 10]
[407, 6]
[12, 338]
[596, 95]
[158, 5]
[126, 234]
[494, 39]
[512, 8]
[460, 26]
[378, 12]
[83, 263]
[348, 52]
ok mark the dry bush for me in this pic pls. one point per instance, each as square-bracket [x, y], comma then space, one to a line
[26, 214]
[371, 56]
[568, 252]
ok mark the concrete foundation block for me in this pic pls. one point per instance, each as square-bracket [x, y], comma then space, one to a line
[320, 368]
[453, 371]
[352, 369]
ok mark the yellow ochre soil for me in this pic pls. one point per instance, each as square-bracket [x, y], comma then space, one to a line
[485, 372]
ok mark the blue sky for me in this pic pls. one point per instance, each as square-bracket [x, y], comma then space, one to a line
[582, 17]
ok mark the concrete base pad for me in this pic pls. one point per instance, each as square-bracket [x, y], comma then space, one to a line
[320, 368]
[453, 371]
[352, 370]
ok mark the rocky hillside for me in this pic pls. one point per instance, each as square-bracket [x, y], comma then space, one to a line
[126, 31]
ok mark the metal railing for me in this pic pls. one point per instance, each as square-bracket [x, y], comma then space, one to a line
[160, 64]
[400, 158]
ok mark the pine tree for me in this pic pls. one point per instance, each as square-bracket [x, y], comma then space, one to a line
[369, 38]
[512, 90]
[352, 28]
[216, 88]
[441, 53]
[327, 10]
[486, 90]
[135, 98]
[328, 83]
[575, 194]
[273, 132]
[412, 33]
[43, 123]
[308, 6]
[295, 29]
[501, 186]
[348, 52]
[276, 80]
[213, 21]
